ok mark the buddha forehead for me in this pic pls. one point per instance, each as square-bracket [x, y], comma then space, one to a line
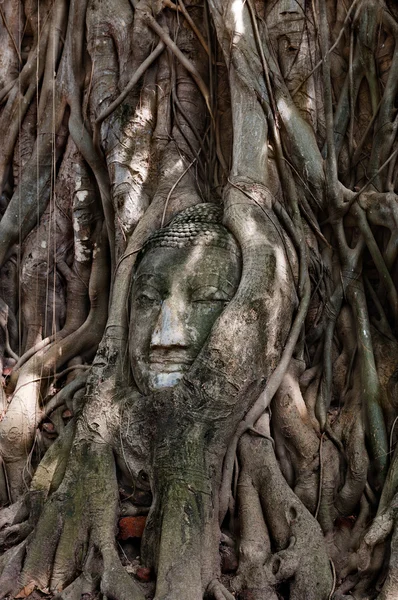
[188, 267]
[195, 242]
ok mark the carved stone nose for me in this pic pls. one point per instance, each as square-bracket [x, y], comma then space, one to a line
[170, 329]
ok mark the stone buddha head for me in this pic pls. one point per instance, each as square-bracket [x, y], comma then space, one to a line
[185, 275]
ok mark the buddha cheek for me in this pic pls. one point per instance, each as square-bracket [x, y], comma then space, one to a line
[200, 322]
[142, 326]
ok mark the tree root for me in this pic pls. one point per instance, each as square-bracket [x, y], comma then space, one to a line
[15, 534]
[84, 584]
[216, 590]
[16, 513]
[10, 568]
[291, 418]
[115, 581]
[297, 538]
[255, 543]
[390, 587]
[77, 517]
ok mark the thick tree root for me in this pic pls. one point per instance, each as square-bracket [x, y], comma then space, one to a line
[15, 534]
[10, 568]
[115, 581]
[300, 550]
[372, 552]
[80, 516]
[216, 590]
[84, 584]
[16, 513]
[156, 145]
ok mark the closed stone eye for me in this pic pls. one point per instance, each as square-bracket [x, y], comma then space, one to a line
[209, 294]
[146, 300]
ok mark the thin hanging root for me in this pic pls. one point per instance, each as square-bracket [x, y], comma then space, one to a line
[173, 187]
[334, 580]
[353, 197]
[133, 81]
[336, 43]
[332, 309]
[181, 8]
[193, 26]
[320, 475]
[331, 161]
[11, 36]
[183, 59]
[357, 154]
[377, 257]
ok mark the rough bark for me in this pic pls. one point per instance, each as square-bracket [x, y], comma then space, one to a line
[277, 448]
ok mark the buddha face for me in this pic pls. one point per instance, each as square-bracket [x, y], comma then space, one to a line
[177, 295]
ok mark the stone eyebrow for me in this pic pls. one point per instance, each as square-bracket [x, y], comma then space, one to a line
[218, 282]
[148, 276]
[148, 279]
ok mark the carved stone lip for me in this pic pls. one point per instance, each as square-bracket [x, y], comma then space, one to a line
[170, 362]
[168, 368]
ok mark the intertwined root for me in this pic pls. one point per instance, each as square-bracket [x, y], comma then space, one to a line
[217, 591]
[300, 553]
[75, 533]
[10, 567]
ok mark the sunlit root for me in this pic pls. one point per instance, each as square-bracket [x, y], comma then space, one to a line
[50, 472]
[379, 531]
[79, 516]
[291, 418]
[24, 412]
[255, 544]
[297, 538]
[126, 133]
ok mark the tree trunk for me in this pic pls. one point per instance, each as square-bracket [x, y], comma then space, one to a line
[198, 299]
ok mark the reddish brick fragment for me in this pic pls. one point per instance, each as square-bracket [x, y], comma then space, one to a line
[49, 427]
[143, 574]
[131, 527]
